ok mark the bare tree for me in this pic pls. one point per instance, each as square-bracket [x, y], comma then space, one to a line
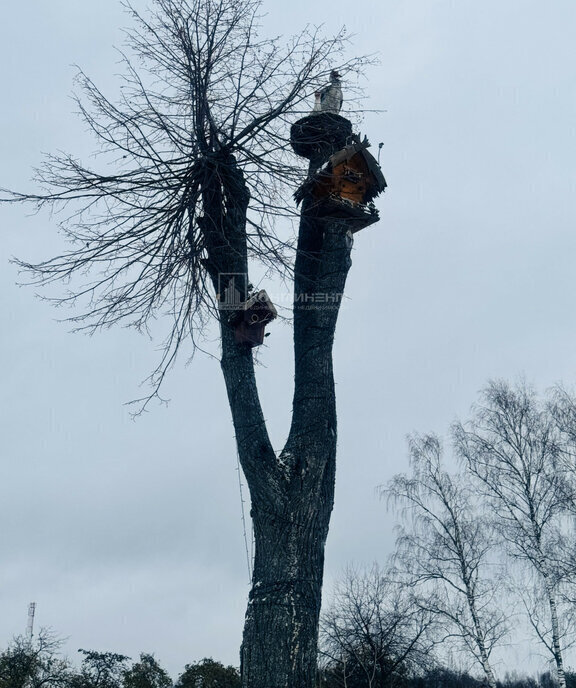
[442, 552]
[512, 446]
[201, 164]
[372, 633]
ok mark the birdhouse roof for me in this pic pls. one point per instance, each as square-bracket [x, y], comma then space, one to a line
[360, 149]
[259, 303]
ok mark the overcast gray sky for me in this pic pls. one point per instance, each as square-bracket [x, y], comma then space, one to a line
[128, 534]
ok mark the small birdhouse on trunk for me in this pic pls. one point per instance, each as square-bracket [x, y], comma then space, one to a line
[250, 320]
[346, 187]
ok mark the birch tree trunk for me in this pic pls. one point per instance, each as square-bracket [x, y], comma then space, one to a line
[479, 638]
[555, 626]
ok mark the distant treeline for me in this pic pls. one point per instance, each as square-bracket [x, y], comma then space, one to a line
[39, 663]
[441, 677]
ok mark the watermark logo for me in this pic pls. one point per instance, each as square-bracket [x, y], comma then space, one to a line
[231, 285]
[229, 295]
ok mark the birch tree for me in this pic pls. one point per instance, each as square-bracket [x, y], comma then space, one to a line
[512, 446]
[199, 167]
[443, 552]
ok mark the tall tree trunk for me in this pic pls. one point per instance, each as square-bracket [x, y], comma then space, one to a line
[291, 507]
[280, 635]
[292, 494]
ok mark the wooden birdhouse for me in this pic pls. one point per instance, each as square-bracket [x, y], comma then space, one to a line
[250, 320]
[356, 175]
[346, 187]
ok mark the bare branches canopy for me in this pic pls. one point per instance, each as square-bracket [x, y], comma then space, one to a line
[199, 132]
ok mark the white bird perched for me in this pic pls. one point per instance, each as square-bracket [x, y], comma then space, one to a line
[329, 98]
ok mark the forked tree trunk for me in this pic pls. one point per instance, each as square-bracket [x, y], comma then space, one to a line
[291, 508]
[292, 493]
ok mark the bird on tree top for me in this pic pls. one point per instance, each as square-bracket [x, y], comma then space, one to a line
[329, 99]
